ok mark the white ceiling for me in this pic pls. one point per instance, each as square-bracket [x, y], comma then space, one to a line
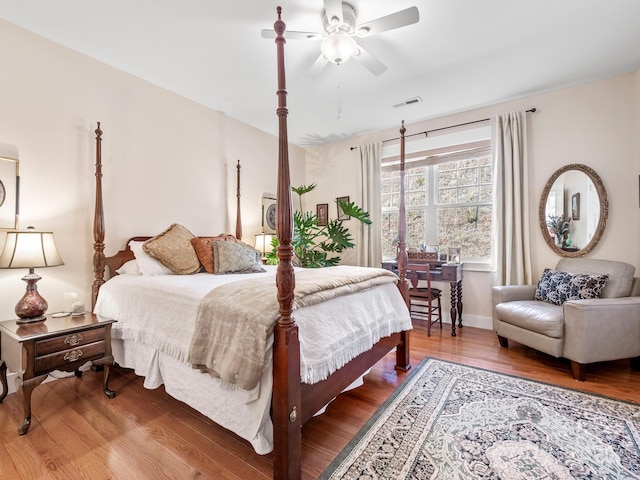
[462, 54]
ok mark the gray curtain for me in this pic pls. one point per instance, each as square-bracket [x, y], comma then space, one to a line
[512, 248]
[368, 237]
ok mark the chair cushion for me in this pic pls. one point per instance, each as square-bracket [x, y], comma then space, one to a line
[620, 273]
[541, 317]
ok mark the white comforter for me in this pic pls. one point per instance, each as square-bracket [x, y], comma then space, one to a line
[159, 312]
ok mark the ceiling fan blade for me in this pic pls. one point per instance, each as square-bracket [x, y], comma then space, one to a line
[293, 35]
[370, 62]
[399, 19]
[318, 65]
[333, 9]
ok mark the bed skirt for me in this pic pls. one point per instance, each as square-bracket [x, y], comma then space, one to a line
[245, 413]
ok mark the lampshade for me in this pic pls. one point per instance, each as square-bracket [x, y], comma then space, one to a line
[339, 47]
[30, 249]
[263, 242]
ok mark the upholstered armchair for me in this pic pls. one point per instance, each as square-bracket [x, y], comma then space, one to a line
[603, 325]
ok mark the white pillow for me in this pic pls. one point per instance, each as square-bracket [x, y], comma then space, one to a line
[146, 264]
[129, 268]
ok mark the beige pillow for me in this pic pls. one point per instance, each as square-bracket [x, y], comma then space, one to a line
[204, 249]
[173, 249]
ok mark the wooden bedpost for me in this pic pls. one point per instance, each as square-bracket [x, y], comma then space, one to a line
[402, 352]
[98, 224]
[238, 219]
[287, 414]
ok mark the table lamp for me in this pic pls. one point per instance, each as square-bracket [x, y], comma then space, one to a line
[263, 243]
[30, 249]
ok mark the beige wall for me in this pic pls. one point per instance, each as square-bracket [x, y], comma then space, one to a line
[166, 159]
[596, 124]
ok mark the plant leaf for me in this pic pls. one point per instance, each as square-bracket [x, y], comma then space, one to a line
[353, 210]
[302, 189]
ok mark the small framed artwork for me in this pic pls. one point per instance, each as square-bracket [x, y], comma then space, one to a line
[341, 214]
[454, 255]
[322, 212]
[269, 213]
[575, 206]
[9, 193]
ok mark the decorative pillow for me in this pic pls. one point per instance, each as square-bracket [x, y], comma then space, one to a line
[232, 257]
[129, 268]
[146, 264]
[204, 249]
[173, 249]
[558, 287]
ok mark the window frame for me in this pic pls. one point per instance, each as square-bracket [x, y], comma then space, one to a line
[430, 158]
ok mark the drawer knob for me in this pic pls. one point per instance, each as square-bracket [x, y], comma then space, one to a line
[73, 355]
[73, 340]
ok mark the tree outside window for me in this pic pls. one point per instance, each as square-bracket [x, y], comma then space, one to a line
[449, 201]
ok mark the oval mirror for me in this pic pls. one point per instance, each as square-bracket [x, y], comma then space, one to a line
[573, 210]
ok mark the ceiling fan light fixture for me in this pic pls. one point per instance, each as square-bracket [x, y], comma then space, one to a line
[339, 47]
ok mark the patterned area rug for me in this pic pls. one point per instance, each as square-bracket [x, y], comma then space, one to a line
[453, 422]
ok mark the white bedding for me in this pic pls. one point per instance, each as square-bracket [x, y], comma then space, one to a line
[155, 321]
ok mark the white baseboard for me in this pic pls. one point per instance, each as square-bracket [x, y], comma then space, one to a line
[11, 382]
[56, 375]
[471, 321]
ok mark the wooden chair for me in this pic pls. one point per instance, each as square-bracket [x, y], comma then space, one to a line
[424, 300]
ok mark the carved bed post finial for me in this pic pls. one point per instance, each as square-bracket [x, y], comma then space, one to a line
[238, 219]
[287, 412]
[98, 224]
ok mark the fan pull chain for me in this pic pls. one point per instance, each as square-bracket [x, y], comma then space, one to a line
[339, 101]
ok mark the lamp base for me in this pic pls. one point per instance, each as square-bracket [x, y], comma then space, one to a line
[31, 305]
[22, 321]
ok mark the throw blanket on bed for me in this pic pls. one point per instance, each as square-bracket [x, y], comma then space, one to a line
[235, 320]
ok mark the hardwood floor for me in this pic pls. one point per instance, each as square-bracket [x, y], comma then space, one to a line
[78, 433]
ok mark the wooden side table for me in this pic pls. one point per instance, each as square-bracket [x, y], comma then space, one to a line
[37, 349]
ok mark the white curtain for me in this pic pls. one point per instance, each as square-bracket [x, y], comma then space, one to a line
[512, 248]
[368, 237]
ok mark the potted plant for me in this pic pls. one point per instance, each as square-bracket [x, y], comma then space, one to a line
[317, 246]
[559, 226]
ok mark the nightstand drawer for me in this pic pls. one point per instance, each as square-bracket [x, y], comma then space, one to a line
[69, 358]
[64, 342]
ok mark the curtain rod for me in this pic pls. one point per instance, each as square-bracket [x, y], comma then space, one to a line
[427, 132]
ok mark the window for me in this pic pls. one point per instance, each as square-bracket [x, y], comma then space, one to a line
[448, 199]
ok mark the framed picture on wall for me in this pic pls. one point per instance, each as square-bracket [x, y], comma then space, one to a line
[341, 214]
[9, 193]
[269, 213]
[322, 212]
[575, 206]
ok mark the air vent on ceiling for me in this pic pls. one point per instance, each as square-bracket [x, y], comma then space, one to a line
[409, 101]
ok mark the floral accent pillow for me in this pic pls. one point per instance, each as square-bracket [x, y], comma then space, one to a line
[558, 287]
[232, 257]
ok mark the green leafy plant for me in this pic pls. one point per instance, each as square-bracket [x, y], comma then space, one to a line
[317, 246]
[559, 224]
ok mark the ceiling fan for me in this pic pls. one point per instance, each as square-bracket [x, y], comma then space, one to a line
[341, 27]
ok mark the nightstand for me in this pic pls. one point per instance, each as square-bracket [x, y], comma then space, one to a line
[37, 349]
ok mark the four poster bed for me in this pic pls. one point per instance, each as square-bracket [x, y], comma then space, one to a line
[302, 362]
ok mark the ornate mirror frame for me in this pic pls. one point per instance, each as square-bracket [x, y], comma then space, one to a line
[604, 210]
